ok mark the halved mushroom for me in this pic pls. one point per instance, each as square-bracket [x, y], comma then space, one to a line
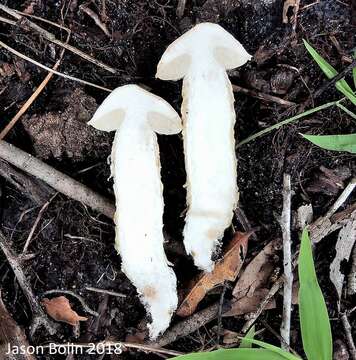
[136, 115]
[201, 56]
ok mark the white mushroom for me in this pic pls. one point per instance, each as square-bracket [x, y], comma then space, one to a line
[137, 115]
[201, 56]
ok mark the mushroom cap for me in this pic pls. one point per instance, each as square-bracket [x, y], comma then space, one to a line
[140, 104]
[195, 45]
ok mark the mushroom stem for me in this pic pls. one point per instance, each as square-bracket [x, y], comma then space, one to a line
[139, 204]
[209, 142]
[137, 115]
[201, 57]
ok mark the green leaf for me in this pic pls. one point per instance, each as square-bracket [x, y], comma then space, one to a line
[250, 334]
[233, 354]
[330, 72]
[334, 142]
[313, 314]
[275, 349]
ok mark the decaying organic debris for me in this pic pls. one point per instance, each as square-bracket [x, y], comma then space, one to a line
[137, 115]
[201, 57]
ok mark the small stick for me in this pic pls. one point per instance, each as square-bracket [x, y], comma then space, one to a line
[78, 297]
[221, 303]
[279, 337]
[180, 8]
[59, 181]
[22, 56]
[141, 347]
[28, 103]
[263, 96]
[342, 198]
[189, 325]
[96, 19]
[33, 97]
[325, 222]
[335, 79]
[38, 316]
[103, 291]
[35, 224]
[285, 223]
[254, 316]
[348, 332]
[49, 36]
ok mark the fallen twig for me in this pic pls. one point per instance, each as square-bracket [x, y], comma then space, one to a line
[335, 79]
[35, 224]
[180, 8]
[254, 316]
[103, 291]
[59, 181]
[71, 293]
[263, 96]
[348, 333]
[287, 260]
[39, 318]
[22, 56]
[328, 223]
[96, 19]
[123, 344]
[188, 325]
[49, 36]
[28, 103]
[35, 94]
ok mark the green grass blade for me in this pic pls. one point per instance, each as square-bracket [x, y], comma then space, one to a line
[250, 334]
[313, 314]
[334, 142]
[275, 349]
[354, 71]
[346, 110]
[286, 122]
[233, 354]
[330, 72]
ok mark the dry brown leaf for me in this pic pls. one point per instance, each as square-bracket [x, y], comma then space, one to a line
[59, 309]
[226, 269]
[257, 272]
[247, 305]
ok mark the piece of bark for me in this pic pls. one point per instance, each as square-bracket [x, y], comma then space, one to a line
[11, 336]
[344, 245]
[226, 269]
[257, 272]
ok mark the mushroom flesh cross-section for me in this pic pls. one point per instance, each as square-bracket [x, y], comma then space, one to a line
[201, 57]
[137, 114]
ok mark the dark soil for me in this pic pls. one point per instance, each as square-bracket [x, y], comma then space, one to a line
[73, 246]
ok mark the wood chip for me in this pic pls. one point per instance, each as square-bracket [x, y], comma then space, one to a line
[226, 269]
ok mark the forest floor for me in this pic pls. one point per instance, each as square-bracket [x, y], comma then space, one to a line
[71, 246]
